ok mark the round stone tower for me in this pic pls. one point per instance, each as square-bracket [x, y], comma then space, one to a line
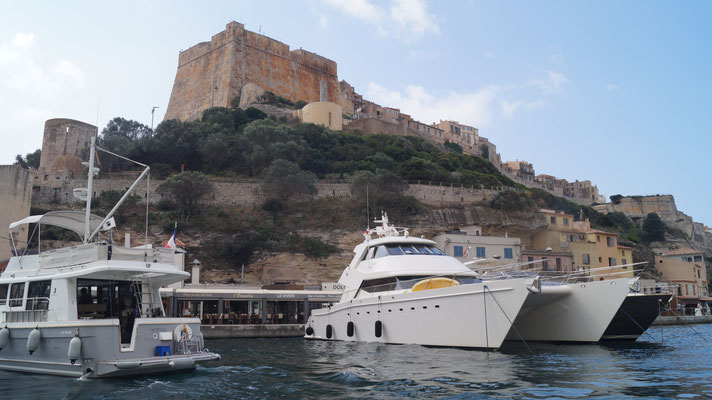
[63, 142]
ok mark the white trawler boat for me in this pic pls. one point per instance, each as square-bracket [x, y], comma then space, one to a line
[92, 309]
[402, 289]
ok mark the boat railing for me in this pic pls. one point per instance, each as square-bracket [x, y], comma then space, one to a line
[25, 316]
[86, 253]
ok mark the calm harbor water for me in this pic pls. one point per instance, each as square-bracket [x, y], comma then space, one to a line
[300, 369]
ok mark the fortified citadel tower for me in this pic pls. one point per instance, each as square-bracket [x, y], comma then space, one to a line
[212, 74]
[63, 143]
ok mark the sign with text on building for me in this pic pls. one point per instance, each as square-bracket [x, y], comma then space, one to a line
[332, 286]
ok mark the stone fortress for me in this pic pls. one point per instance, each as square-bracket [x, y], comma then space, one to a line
[63, 144]
[238, 63]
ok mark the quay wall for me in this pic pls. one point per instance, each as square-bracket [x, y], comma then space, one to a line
[681, 320]
[252, 331]
[250, 194]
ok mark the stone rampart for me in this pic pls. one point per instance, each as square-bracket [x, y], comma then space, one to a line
[213, 73]
[15, 197]
[249, 193]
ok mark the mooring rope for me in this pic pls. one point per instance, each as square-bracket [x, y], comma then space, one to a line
[510, 321]
[638, 325]
[687, 325]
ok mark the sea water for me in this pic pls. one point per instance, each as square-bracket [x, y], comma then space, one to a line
[675, 363]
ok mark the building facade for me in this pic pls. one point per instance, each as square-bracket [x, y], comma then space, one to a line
[468, 243]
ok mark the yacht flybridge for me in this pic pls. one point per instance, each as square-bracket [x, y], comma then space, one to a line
[401, 289]
[92, 309]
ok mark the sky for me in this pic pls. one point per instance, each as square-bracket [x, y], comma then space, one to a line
[618, 93]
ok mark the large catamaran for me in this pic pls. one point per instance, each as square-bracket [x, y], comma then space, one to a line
[92, 309]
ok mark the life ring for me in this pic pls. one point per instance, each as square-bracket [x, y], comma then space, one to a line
[182, 332]
[434, 283]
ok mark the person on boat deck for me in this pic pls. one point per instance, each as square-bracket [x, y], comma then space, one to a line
[85, 297]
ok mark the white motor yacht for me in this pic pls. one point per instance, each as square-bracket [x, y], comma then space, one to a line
[92, 309]
[401, 289]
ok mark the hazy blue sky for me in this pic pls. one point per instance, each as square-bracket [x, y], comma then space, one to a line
[616, 92]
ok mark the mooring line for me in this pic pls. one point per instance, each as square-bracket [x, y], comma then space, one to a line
[687, 325]
[638, 325]
[510, 321]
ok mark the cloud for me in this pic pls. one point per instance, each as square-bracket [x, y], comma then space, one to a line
[554, 81]
[324, 22]
[405, 20]
[413, 16]
[610, 87]
[508, 108]
[473, 108]
[489, 55]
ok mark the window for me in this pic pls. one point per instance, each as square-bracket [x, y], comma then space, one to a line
[598, 238]
[611, 241]
[553, 220]
[558, 264]
[458, 251]
[545, 264]
[481, 252]
[600, 259]
[698, 273]
[38, 295]
[698, 258]
[530, 259]
[17, 292]
[381, 251]
[624, 262]
[508, 253]
[611, 261]
[566, 222]
[3, 294]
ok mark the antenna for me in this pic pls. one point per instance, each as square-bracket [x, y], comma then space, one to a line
[98, 103]
[368, 216]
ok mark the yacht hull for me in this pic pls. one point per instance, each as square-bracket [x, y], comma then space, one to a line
[635, 315]
[575, 312]
[476, 315]
[102, 355]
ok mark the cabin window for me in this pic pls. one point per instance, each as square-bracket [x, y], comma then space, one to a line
[17, 292]
[381, 251]
[38, 295]
[3, 294]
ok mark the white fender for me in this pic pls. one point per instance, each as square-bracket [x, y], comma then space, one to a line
[128, 364]
[33, 340]
[4, 337]
[75, 349]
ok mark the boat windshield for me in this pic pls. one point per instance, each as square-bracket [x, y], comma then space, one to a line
[398, 249]
[407, 282]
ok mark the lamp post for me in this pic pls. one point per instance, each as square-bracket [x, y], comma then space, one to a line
[153, 110]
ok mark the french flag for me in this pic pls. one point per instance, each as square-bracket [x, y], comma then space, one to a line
[171, 244]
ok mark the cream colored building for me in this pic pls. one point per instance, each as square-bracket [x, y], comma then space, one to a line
[468, 243]
[685, 267]
[323, 113]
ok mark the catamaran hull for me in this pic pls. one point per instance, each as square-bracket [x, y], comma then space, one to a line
[575, 312]
[475, 315]
[101, 355]
[635, 315]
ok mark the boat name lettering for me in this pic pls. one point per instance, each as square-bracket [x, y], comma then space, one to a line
[242, 296]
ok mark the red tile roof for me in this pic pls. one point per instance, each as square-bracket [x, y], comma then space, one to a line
[682, 252]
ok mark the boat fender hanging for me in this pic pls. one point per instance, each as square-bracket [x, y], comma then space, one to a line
[329, 331]
[75, 349]
[350, 329]
[128, 364]
[309, 331]
[182, 363]
[4, 337]
[33, 340]
[379, 328]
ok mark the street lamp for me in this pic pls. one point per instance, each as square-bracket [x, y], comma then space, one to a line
[153, 110]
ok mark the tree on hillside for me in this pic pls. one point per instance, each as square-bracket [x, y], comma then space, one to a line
[186, 189]
[29, 160]
[653, 228]
[121, 136]
[284, 179]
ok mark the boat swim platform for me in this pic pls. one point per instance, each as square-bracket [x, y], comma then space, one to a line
[252, 331]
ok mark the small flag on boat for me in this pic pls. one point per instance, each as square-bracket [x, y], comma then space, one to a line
[171, 244]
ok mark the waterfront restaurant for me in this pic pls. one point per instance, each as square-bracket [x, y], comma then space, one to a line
[239, 305]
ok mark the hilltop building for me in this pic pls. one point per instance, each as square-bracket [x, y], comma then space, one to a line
[237, 64]
[63, 143]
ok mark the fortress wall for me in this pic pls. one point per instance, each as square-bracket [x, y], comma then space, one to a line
[15, 197]
[213, 73]
[249, 193]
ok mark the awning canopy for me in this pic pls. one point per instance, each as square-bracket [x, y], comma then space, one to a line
[72, 220]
